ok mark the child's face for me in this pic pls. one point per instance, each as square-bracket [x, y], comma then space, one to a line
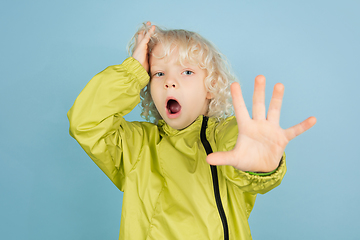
[178, 91]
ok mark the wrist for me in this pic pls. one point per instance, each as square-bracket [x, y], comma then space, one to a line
[265, 173]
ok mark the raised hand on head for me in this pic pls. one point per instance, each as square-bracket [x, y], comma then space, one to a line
[261, 141]
[141, 52]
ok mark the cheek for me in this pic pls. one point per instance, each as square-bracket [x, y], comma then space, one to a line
[154, 93]
[196, 95]
[152, 87]
[200, 90]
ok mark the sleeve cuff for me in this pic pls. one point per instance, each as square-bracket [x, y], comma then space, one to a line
[132, 65]
[267, 173]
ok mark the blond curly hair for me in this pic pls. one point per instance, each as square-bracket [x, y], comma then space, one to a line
[195, 49]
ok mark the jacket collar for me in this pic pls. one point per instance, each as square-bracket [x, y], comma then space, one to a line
[195, 127]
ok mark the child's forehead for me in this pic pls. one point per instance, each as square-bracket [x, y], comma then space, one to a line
[159, 50]
[172, 53]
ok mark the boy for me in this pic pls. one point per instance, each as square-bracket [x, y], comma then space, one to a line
[172, 190]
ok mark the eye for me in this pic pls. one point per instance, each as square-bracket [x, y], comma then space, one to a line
[188, 72]
[158, 74]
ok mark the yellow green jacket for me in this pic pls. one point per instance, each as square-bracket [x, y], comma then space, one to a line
[167, 183]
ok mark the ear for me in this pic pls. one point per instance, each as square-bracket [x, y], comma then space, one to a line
[209, 95]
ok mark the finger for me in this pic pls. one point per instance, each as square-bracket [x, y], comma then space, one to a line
[142, 34]
[146, 38]
[140, 37]
[258, 110]
[241, 111]
[219, 158]
[275, 104]
[298, 129]
[142, 41]
[151, 30]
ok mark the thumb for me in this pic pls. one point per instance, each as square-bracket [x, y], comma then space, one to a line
[219, 158]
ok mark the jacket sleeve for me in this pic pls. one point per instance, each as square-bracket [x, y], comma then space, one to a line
[97, 123]
[226, 136]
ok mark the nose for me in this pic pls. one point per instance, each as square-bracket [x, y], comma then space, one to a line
[173, 85]
[170, 83]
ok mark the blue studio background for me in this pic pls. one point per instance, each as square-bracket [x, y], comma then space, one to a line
[49, 187]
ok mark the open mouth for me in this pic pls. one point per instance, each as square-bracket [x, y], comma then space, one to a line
[173, 106]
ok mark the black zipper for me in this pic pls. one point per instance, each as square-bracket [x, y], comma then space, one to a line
[215, 179]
